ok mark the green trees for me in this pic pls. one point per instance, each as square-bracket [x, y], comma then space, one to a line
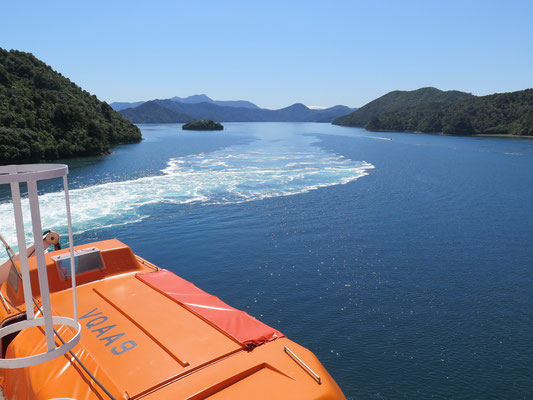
[452, 112]
[459, 125]
[203, 125]
[502, 113]
[45, 116]
[399, 100]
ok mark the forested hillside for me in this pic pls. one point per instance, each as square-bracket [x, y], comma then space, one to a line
[396, 101]
[501, 113]
[45, 116]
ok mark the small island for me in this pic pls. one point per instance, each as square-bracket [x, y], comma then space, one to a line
[203, 125]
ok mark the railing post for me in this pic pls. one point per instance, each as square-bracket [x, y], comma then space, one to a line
[21, 242]
[41, 264]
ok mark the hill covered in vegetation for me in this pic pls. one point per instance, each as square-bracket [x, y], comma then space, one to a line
[203, 125]
[501, 113]
[396, 101]
[45, 116]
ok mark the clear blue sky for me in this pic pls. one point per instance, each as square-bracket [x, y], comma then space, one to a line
[276, 53]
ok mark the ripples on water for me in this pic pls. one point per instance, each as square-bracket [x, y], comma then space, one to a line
[230, 175]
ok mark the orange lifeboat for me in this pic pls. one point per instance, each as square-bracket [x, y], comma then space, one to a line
[141, 332]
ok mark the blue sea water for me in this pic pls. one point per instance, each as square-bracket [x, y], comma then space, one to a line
[405, 265]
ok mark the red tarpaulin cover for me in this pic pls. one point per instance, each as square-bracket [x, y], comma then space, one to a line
[245, 329]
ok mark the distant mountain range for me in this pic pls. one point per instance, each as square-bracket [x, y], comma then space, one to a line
[200, 107]
[121, 105]
[195, 99]
[431, 110]
[202, 98]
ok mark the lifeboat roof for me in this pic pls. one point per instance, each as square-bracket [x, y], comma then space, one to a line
[143, 330]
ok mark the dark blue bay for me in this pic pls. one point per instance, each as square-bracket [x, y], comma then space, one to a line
[414, 281]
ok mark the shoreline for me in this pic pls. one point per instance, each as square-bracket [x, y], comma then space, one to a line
[499, 135]
[502, 135]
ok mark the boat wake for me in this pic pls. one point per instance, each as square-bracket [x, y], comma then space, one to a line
[255, 171]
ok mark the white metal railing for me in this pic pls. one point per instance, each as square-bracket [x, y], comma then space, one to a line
[31, 174]
[303, 365]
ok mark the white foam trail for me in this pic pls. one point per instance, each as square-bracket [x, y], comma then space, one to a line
[235, 174]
